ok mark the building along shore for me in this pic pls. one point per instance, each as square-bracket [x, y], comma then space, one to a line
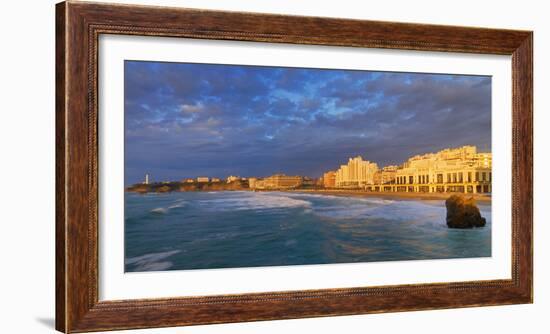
[452, 170]
[432, 175]
[485, 198]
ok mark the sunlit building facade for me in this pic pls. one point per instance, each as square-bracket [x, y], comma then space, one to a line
[460, 169]
[277, 181]
[356, 174]
[329, 179]
[252, 182]
[232, 178]
[386, 175]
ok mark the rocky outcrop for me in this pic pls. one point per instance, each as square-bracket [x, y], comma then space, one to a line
[187, 187]
[141, 189]
[184, 186]
[223, 186]
[463, 212]
[164, 189]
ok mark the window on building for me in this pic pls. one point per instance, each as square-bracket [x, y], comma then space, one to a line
[411, 179]
[439, 178]
[469, 176]
[483, 176]
[460, 177]
[448, 178]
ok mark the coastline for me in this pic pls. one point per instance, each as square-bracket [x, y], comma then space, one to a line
[394, 195]
[482, 198]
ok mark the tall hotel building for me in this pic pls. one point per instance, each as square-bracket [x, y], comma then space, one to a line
[357, 173]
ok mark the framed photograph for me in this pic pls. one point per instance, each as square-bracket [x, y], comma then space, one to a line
[222, 167]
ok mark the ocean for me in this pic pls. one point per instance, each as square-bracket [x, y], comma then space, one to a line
[207, 230]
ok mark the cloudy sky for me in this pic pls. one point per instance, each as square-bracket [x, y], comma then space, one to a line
[188, 120]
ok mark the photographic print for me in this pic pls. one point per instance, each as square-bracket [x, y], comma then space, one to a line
[230, 166]
[320, 171]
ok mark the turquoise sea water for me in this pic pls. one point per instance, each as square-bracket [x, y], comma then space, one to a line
[205, 230]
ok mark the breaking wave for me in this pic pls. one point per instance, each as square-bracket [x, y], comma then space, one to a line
[254, 201]
[367, 200]
[178, 204]
[340, 207]
[151, 262]
[175, 205]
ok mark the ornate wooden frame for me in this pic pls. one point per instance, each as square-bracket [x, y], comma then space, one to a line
[78, 25]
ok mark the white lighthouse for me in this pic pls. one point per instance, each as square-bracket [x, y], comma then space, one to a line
[146, 179]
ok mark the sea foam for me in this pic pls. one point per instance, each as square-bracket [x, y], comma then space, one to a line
[159, 210]
[175, 205]
[361, 208]
[341, 198]
[254, 201]
[151, 262]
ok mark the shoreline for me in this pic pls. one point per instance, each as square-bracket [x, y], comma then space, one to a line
[482, 198]
[394, 195]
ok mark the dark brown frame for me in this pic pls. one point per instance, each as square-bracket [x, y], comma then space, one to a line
[78, 25]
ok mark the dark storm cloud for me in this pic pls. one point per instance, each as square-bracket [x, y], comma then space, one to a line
[186, 120]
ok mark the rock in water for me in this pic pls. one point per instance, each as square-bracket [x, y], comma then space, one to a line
[463, 212]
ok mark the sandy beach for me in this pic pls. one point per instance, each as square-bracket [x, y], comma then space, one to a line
[393, 195]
